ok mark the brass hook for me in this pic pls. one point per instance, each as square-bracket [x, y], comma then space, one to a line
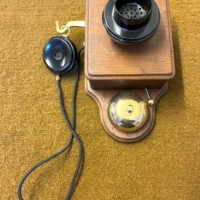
[63, 29]
[66, 28]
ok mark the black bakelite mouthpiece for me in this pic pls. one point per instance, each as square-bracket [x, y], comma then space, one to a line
[59, 55]
[131, 21]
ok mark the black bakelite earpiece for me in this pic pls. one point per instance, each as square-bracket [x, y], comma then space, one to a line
[59, 55]
[131, 21]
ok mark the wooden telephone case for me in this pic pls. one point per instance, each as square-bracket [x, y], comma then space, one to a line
[111, 67]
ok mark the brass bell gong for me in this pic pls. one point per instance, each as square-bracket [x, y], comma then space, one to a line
[128, 112]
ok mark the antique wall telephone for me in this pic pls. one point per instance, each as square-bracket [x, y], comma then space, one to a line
[128, 75]
[128, 62]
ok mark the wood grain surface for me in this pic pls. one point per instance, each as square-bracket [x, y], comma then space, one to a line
[107, 60]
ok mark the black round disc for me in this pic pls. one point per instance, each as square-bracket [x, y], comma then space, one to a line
[59, 55]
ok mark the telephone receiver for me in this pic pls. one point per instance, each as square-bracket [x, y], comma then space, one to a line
[129, 60]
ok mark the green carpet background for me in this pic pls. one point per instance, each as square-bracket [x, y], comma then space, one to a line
[164, 166]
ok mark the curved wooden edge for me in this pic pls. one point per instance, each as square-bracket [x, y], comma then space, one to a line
[103, 98]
